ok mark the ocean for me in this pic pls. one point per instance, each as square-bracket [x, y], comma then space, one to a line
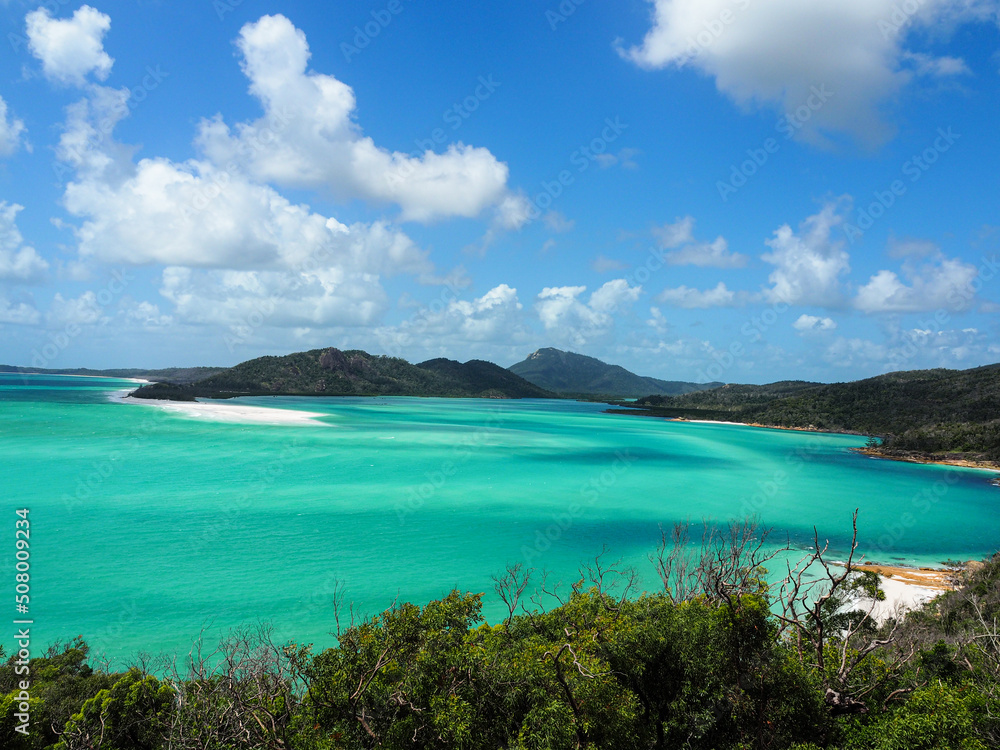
[150, 529]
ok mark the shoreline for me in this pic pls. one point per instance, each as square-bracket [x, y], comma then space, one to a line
[229, 413]
[907, 588]
[963, 463]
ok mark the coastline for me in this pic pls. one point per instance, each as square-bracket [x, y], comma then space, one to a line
[229, 412]
[907, 588]
[964, 463]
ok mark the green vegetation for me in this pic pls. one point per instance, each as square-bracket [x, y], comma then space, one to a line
[577, 375]
[331, 372]
[924, 412]
[716, 660]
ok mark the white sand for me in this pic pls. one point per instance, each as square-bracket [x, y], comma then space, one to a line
[899, 597]
[230, 412]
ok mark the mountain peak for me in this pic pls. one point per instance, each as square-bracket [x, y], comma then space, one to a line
[572, 373]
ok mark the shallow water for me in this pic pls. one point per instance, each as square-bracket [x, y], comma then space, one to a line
[149, 527]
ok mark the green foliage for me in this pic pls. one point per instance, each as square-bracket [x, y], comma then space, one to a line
[130, 715]
[600, 671]
[923, 411]
[331, 372]
[60, 683]
[936, 717]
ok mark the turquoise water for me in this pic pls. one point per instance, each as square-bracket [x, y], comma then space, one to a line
[149, 527]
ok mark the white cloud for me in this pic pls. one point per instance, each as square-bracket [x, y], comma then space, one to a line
[563, 314]
[689, 298]
[776, 51]
[625, 158]
[454, 324]
[808, 265]
[309, 139]
[17, 314]
[145, 314]
[323, 297]
[70, 49]
[658, 321]
[674, 235]
[707, 255]
[938, 284]
[17, 260]
[11, 130]
[232, 246]
[684, 251]
[558, 223]
[846, 352]
[82, 311]
[810, 323]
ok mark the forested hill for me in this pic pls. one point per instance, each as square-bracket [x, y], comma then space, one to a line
[576, 374]
[331, 372]
[923, 411]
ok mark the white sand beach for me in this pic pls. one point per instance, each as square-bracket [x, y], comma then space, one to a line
[907, 588]
[230, 412]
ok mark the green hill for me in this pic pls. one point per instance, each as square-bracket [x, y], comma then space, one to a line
[931, 412]
[331, 372]
[570, 373]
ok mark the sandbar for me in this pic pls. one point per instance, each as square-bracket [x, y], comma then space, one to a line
[230, 412]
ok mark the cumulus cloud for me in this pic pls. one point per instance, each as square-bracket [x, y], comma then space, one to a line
[82, 311]
[914, 348]
[689, 298]
[452, 323]
[17, 260]
[20, 313]
[810, 323]
[685, 251]
[557, 222]
[674, 235]
[808, 263]
[776, 51]
[70, 49]
[563, 313]
[11, 130]
[309, 139]
[940, 283]
[232, 246]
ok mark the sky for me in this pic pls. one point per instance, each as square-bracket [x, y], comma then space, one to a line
[732, 190]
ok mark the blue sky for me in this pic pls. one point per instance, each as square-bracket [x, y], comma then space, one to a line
[736, 190]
